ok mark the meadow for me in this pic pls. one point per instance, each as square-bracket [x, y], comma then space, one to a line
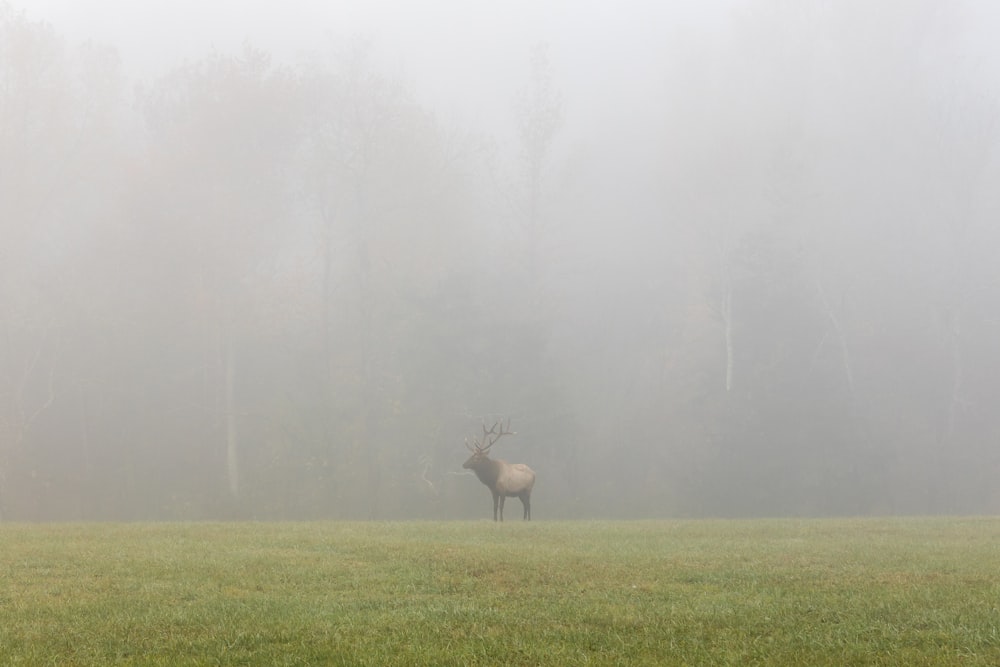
[768, 592]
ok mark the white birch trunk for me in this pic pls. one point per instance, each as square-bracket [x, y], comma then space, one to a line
[727, 322]
[957, 372]
[838, 331]
[232, 440]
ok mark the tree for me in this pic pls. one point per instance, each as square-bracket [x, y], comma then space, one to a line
[539, 118]
[56, 120]
[390, 196]
[209, 214]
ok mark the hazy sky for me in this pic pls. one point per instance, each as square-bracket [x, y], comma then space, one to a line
[461, 56]
[466, 58]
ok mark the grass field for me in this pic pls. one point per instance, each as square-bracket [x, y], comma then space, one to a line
[775, 592]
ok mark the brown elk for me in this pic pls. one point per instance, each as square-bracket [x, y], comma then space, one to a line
[503, 479]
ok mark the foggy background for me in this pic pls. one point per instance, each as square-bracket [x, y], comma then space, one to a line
[713, 259]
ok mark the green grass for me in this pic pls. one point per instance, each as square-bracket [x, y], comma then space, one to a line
[793, 592]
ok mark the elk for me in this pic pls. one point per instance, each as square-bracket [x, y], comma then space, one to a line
[503, 479]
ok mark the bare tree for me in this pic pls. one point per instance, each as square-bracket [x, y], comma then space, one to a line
[220, 134]
[539, 118]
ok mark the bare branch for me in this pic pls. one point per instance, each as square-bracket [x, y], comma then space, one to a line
[49, 399]
[25, 418]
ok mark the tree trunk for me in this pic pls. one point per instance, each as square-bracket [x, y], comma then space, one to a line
[232, 439]
[727, 323]
[838, 331]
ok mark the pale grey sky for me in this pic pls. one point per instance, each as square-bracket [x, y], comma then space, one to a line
[464, 57]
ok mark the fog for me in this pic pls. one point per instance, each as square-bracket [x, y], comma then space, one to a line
[711, 259]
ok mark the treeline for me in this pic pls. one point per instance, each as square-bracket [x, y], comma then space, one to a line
[255, 290]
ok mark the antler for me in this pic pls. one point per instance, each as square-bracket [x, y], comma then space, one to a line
[493, 435]
[489, 437]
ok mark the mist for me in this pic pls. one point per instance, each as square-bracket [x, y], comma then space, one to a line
[711, 259]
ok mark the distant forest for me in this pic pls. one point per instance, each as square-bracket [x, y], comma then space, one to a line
[255, 290]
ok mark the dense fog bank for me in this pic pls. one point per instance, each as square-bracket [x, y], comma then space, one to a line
[736, 261]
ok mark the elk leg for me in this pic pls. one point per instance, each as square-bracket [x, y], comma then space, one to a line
[526, 500]
[502, 498]
[496, 499]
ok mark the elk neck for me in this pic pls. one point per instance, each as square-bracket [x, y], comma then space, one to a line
[488, 471]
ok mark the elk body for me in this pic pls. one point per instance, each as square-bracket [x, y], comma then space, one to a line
[503, 479]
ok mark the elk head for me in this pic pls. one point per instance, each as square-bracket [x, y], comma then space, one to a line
[480, 450]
